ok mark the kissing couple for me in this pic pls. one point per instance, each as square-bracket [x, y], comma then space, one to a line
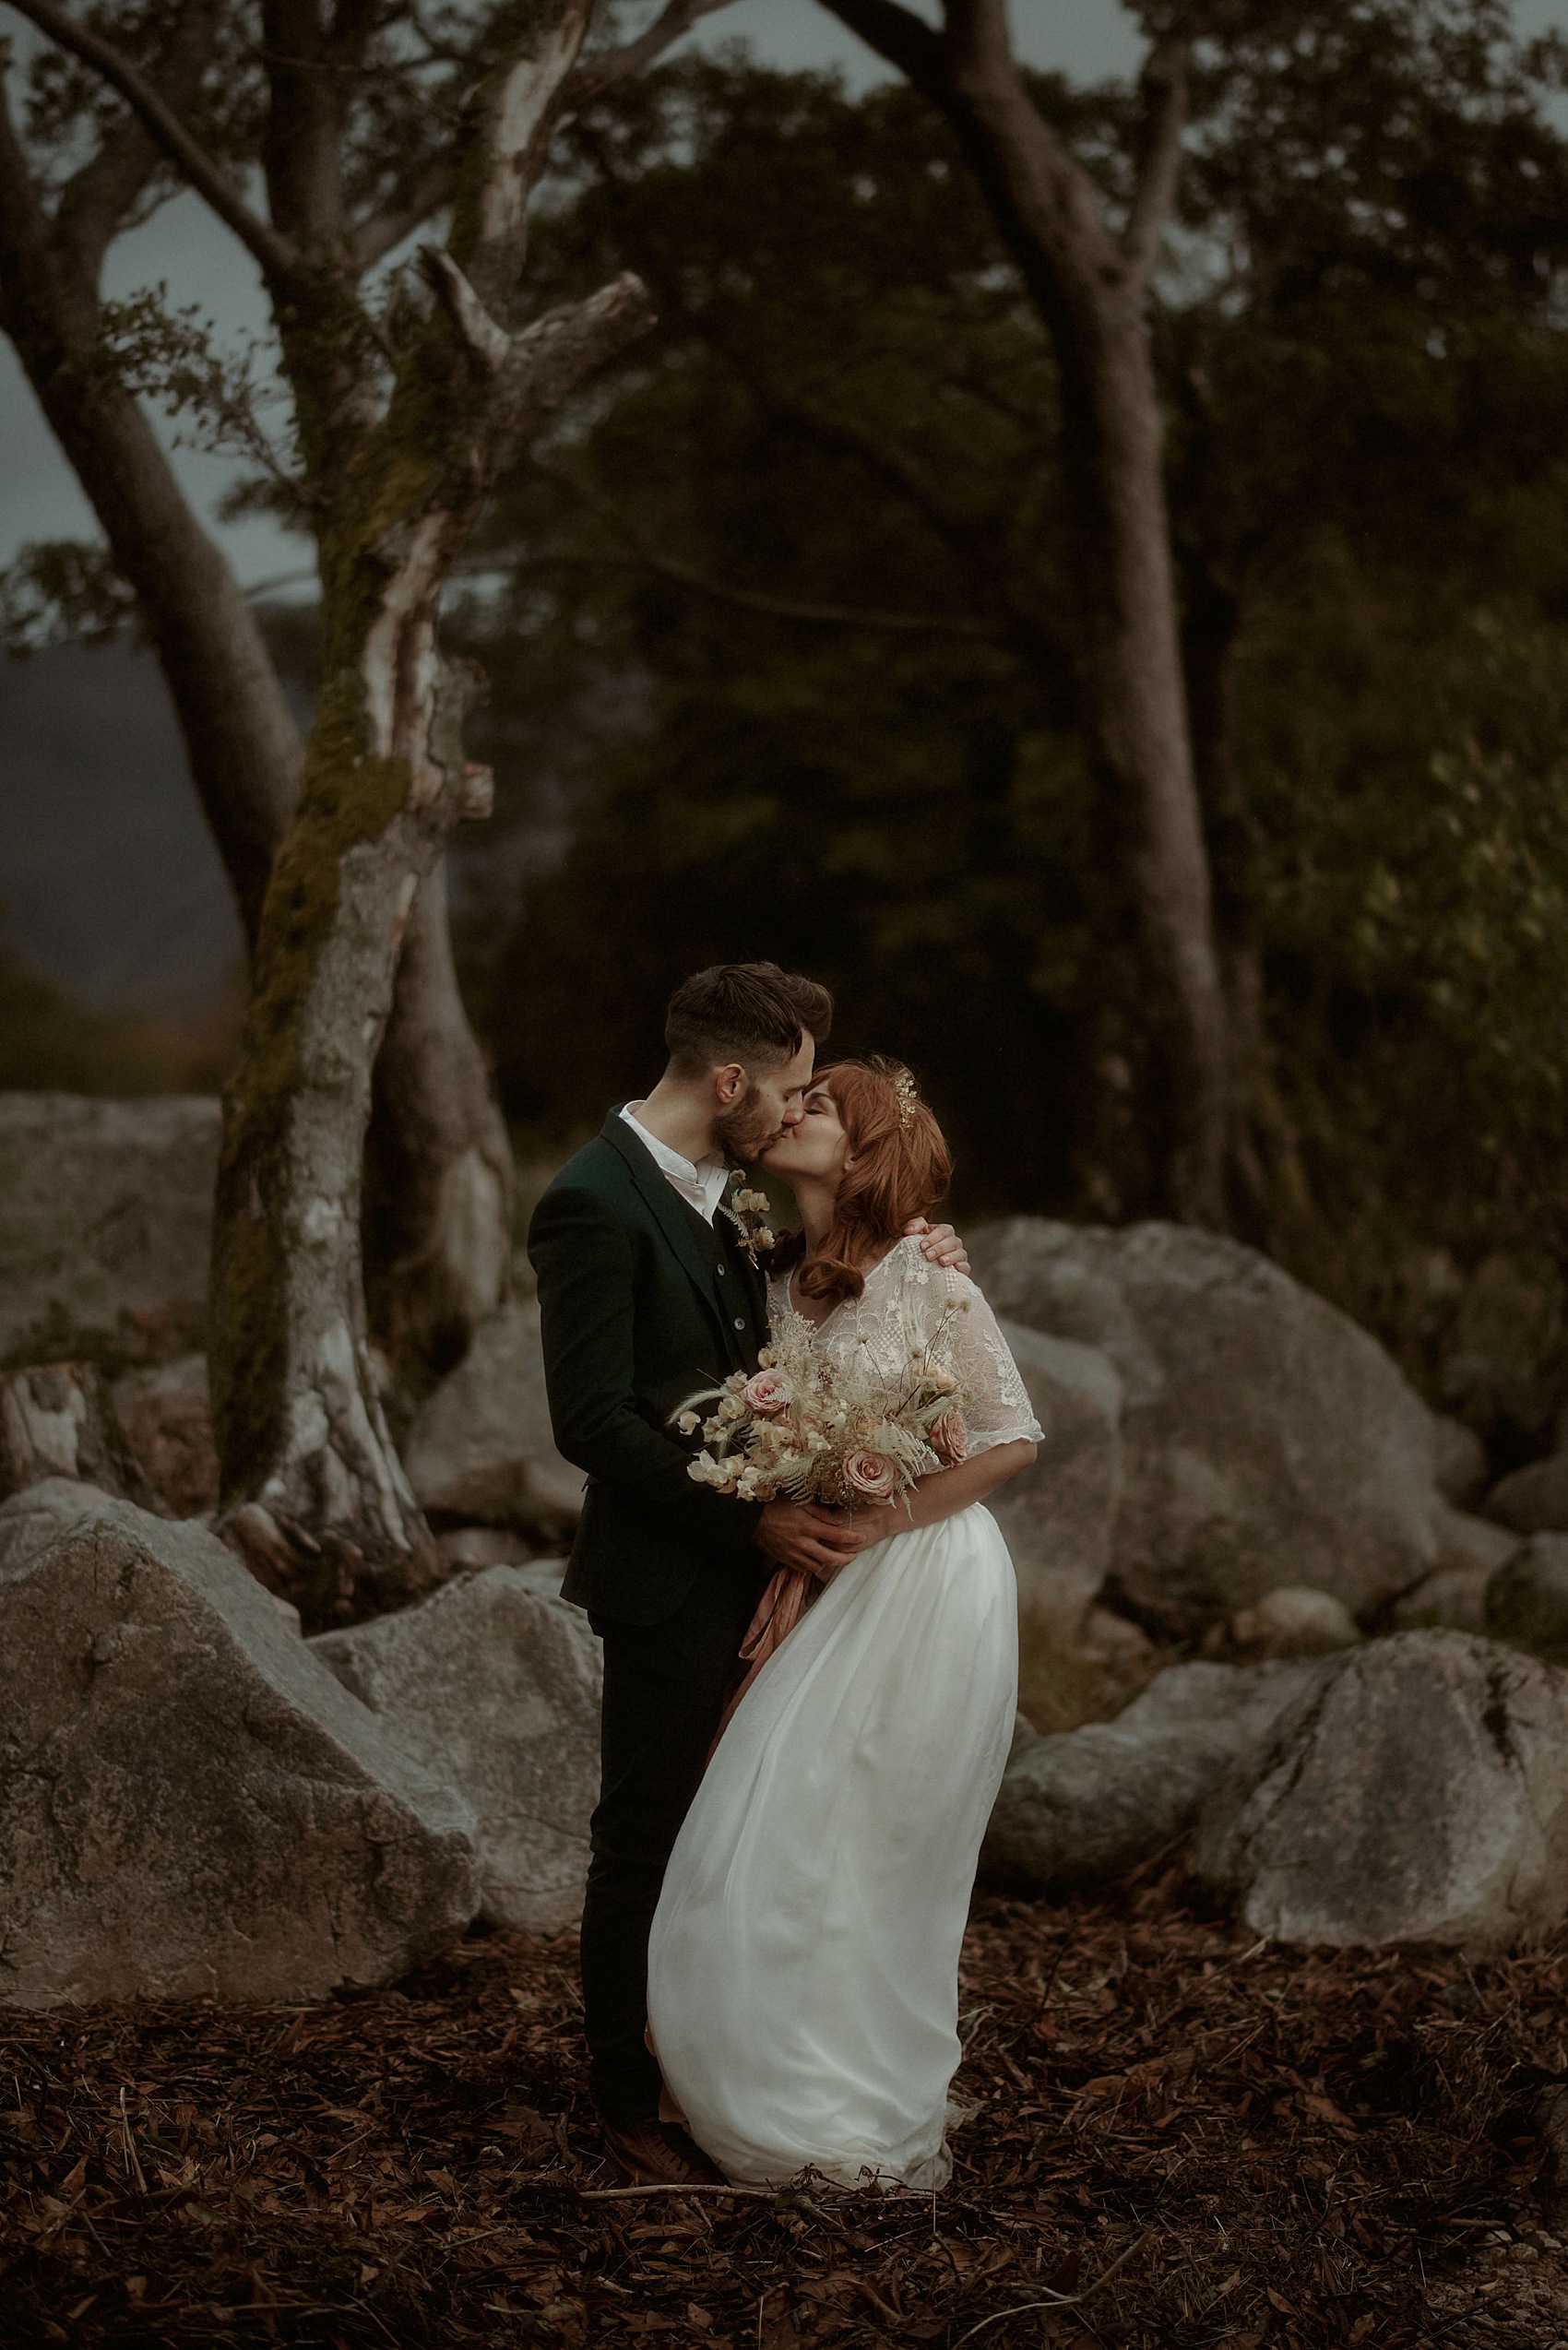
[779, 1887]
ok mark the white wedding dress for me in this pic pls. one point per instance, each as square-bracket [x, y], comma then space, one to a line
[802, 1969]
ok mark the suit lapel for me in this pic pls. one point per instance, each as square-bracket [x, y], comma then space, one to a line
[674, 1220]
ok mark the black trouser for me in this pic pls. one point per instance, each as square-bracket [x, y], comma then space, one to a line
[664, 1690]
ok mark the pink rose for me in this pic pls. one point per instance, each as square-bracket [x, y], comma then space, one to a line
[871, 1475]
[766, 1395]
[949, 1439]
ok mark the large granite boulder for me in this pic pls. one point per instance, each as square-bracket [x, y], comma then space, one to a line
[190, 1805]
[495, 1684]
[1459, 1463]
[1059, 1517]
[1084, 1806]
[1454, 1595]
[1533, 1500]
[1294, 1621]
[481, 1447]
[1417, 1793]
[1470, 1551]
[1526, 1599]
[1266, 1439]
[105, 1206]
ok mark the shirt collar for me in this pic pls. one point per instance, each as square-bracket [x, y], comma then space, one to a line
[703, 1178]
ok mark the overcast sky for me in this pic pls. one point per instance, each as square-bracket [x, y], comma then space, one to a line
[184, 246]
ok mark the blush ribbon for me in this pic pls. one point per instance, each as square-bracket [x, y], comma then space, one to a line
[778, 1613]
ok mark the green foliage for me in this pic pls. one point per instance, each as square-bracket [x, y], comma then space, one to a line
[850, 405]
[1360, 339]
[1419, 922]
[58, 592]
[164, 351]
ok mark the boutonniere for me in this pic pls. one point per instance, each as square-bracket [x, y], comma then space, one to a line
[743, 1208]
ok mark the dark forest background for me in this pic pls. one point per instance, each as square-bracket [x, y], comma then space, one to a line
[777, 629]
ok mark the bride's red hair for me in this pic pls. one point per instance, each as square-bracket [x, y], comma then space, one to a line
[902, 1167]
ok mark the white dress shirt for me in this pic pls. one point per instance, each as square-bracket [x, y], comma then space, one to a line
[701, 1184]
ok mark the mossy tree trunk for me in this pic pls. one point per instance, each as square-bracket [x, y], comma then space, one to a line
[403, 423]
[296, 1411]
[439, 1259]
[438, 1162]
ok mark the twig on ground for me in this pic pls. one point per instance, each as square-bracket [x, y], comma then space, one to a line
[1058, 2300]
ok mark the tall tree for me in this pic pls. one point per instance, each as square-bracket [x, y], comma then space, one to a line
[823, 539]
[1089, 276]
[187, 85]
[403, 416]
[439, 1144]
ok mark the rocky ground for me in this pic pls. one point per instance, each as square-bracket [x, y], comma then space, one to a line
[1176, 2139]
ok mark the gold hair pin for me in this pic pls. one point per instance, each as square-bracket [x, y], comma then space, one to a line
[905, 1088]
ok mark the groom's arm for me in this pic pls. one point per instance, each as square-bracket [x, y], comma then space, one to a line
[582, 1255]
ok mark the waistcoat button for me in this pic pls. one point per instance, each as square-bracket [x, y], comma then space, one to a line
[739, 1322]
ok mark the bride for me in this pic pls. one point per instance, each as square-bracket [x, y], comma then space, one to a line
[803, 1971]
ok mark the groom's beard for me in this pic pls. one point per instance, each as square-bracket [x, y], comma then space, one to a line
[749, 1129]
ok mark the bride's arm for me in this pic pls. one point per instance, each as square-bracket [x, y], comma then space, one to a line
[945, 1491]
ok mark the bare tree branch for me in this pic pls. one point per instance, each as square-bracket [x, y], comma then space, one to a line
[890, 465]
[433, 183]
[1041, 194]
[547, 359]
[276, 255]
[510, 119]
[380, 232]
[616, 65]
[898, 34]
[96, 198]
[647, 557]
[489, 342]
[1164, 86]
[24, 223]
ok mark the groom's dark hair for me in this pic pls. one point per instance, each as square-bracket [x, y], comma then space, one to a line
[744, 1012]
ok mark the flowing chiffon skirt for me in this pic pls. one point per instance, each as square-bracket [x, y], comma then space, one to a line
[803, 1970]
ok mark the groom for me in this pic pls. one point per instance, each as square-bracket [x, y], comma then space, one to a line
[647, 1295]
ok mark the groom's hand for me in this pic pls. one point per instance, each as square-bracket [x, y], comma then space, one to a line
[940, 1243]
[798, 1534]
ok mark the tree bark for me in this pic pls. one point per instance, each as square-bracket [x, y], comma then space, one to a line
[1090, 286]
[1138, 723]
[296, 1411]
[439, 1179]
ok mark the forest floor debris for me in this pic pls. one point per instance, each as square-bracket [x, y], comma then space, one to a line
[1175, 2139]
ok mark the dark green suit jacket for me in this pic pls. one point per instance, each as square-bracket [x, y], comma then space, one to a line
[642, 1304]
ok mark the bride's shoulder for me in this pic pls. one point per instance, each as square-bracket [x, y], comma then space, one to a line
[940, 1280]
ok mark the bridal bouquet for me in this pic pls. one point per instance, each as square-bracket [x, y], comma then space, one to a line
[805, 1428]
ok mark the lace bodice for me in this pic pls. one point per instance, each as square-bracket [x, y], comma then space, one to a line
[900, 1308]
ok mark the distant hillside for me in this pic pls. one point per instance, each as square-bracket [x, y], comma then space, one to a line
[109, 881]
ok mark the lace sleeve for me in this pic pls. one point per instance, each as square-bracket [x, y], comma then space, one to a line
[997, 1409]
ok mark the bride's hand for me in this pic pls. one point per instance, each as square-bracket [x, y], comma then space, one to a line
[939, 1243]
[872, 1523]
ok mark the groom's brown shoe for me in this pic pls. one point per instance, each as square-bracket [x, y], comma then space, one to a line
[659, 2153]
